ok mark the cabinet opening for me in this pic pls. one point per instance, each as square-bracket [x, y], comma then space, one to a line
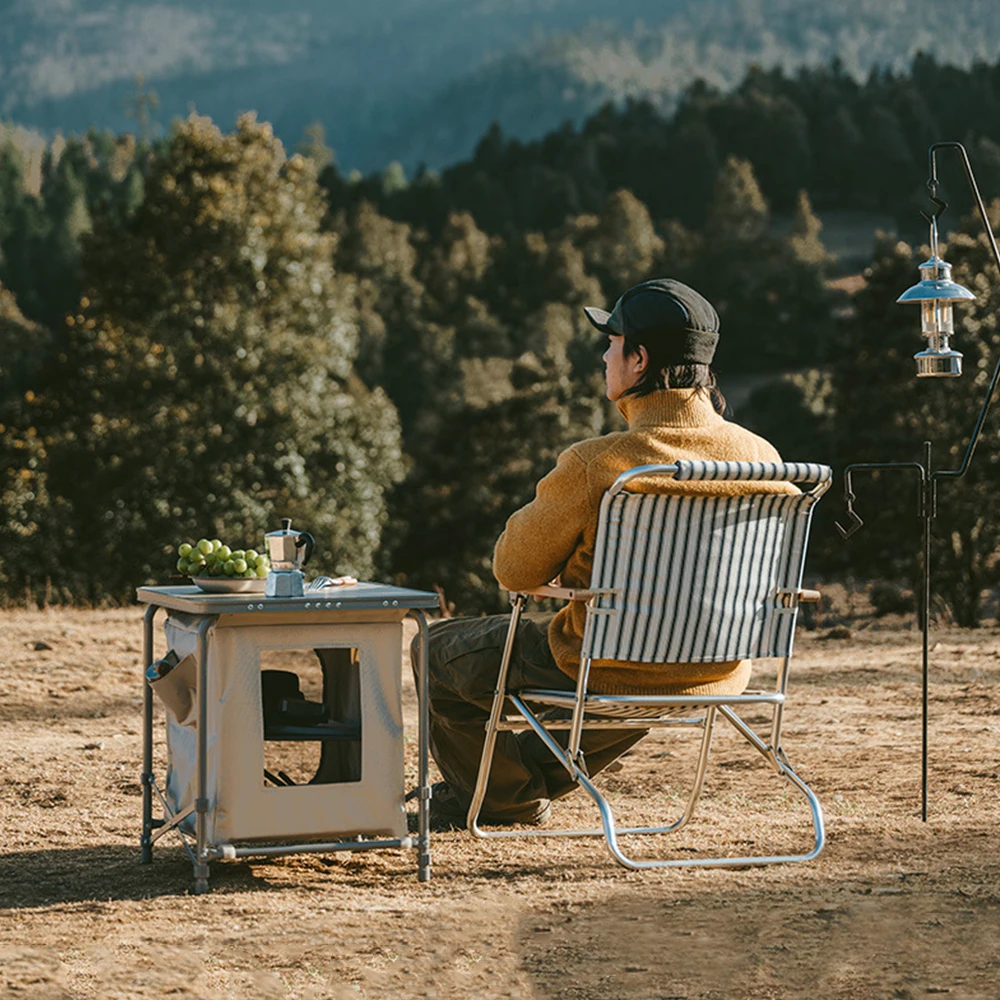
[311, 716]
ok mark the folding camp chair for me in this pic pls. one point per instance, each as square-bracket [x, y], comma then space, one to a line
[676, 579]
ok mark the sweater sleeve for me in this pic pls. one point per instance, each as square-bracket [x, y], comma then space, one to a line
[540, 537]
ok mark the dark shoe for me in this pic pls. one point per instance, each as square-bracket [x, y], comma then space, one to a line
[448, 812]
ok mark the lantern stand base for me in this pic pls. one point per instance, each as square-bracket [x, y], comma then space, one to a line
[927, 512]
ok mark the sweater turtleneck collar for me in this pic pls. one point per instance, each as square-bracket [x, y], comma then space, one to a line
[670, 408]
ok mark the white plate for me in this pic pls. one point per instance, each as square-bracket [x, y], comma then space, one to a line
[229, 584]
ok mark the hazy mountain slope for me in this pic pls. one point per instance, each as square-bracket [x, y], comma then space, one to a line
[535, 90]
[420, 80]
[359, 67]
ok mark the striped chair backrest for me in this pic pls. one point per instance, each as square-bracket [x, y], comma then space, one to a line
[699, 578]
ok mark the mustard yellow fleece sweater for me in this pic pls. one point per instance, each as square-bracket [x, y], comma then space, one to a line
[554, 534]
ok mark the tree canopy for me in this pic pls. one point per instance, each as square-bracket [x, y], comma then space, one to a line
[206, 383]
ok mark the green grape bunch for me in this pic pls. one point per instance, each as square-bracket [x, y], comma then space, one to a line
[209, 557]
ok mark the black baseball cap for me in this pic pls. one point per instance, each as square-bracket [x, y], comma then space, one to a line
[684, 323]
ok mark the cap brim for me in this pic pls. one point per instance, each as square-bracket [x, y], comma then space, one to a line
[598, 317]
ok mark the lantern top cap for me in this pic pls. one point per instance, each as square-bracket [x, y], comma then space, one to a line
[935, 285]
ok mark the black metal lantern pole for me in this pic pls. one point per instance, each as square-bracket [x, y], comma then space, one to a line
[935, 293]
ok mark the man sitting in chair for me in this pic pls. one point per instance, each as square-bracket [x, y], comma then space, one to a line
[661, 338]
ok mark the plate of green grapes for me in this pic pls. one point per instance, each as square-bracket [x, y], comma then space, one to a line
[218, 569]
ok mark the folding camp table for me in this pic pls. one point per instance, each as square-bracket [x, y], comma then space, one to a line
[215, 794]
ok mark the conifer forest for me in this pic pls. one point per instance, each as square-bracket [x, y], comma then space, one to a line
[204, 327]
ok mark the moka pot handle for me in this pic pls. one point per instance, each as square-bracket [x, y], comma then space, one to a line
[307, 540]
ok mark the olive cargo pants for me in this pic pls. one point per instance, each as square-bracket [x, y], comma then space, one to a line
[463, 663]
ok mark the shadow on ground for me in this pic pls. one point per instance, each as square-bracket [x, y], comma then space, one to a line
[107, 872]
[91, 706]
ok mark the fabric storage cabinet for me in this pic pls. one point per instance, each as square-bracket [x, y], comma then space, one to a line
[332, 713]
[241, 804]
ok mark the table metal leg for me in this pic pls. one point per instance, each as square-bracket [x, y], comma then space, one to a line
[201, 801]
[423, 765]
[146, 781]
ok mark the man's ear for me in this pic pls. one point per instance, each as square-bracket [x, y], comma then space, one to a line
[640, 360]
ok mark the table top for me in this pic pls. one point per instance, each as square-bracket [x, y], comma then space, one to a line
[354, 597]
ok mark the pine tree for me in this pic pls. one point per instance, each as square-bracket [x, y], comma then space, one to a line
[313, 145]
[25, 555]
[22, 227]
[840, 158]
[379, 254]
[773, 303]
[485, 352]
[66, 204]
[12, 192]
[769, 130]
[623, 246]
[804, 237]
[738, 210]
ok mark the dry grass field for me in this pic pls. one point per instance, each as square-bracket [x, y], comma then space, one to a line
[893, 908]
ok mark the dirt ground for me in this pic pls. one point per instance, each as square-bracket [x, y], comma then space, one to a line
[892, 908]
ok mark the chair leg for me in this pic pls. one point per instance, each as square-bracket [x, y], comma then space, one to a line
[611, 837]
[496, 713]
[699, 778]
[694, 795]
[581, 777]
[482, 779]
[779, 761]
[484, 775]
[611, 832]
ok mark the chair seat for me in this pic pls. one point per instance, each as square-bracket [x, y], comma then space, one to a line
[647, 706]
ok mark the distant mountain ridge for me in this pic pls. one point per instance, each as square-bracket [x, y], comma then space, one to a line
[533, 91]
[421, 80]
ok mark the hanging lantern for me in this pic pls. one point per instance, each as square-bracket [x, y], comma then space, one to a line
[935, 293]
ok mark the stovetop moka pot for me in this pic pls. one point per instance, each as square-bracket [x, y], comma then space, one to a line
[288, 552]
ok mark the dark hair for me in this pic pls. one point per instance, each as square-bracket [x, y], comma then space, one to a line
[659, 375]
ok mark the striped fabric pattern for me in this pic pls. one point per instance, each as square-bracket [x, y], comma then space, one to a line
[792, 472]
[610, 710]
[622, 710]
[697, 578]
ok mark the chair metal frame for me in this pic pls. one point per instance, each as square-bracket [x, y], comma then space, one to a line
[669, 711]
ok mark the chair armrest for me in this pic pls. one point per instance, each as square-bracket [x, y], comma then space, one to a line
[789, 598]
[560, 593]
